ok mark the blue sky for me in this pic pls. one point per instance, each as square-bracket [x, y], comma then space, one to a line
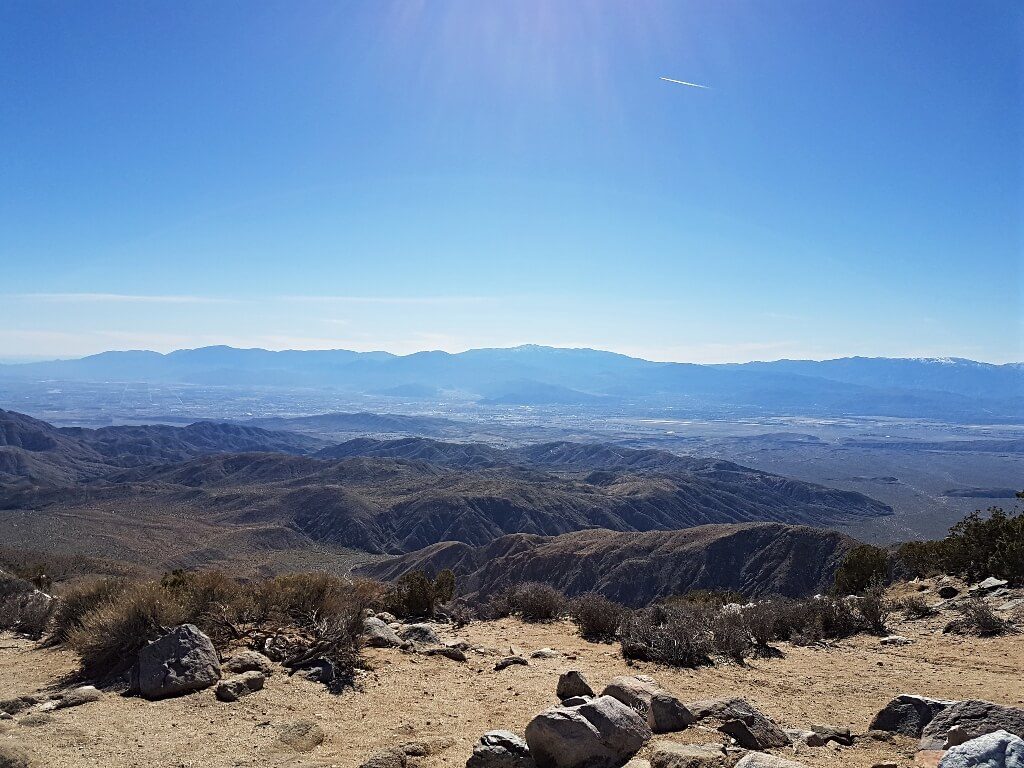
[449, 175]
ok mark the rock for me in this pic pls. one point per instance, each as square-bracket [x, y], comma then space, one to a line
[573, 683]
[5, 716]
[762, 760]
[886, 765]
[415, 749]
[974, 718]
[278, 647]
[78, 696]
[669, 754]
[387, 618]
[635, 691]
[638, 762]
[394, 757]
[13, 756]
[603, 733]
[377, 634]
[234, 688]
[989, 584]
[318, 671]
[948, 592]
[667, 714]
[896, 640]
[755, 731]
[800, 736]
[500, 749]
[827, 733]
[510, 661]
[738, 718]
[420, 633]
[998, 749]
[302, 735]
[454, 654]
[575, 701]
[249, 661]
[955, 736]
[18, 704]
[908, 714]
[182, 661]
[545, 653]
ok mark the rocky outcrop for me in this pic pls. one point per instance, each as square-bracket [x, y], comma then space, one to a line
[182, 661]
[603, 733]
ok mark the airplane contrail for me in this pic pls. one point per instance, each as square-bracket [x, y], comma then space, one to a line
[683, 82]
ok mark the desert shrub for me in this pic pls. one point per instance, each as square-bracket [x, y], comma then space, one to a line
[109, 637]
[537, 602]
[862, 566]
[415, 594]
[678, 634]
[78, 602]
[805, 622]
[874, 608]
[498, 605]
[731, 635]
[713, 598]
[458, 611]
[915, 607]
[762, 622]
[978, 618]
[23, 608]
[444, 586]
[597, 617]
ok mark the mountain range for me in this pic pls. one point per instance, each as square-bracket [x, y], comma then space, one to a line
[946, 388]
[214, 493]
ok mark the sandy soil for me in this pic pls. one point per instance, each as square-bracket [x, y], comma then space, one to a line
[408, 697]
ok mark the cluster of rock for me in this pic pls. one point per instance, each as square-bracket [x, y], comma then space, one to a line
[957, 734]
[588, 730]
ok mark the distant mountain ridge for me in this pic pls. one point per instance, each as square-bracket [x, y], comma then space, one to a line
[948, 388]
[757, 559]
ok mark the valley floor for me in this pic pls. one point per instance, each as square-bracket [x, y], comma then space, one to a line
[449, 704]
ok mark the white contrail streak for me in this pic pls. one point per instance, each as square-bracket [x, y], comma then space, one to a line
[683, 82]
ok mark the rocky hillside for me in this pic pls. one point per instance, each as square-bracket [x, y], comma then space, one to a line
[636, 568]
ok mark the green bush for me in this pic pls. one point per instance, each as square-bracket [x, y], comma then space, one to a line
[863, 566]
[415, 595]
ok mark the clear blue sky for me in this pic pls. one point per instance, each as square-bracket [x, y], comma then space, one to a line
[448, 175]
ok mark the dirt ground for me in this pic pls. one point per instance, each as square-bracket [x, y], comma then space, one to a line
[449, 704]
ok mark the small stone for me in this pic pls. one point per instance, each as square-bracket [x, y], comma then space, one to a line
[896, 640]
[455, 654]
[948, 592]
[302, 735]
[233, 688]
[545, 653]
[669, 754]
[510, 661]
[249, 661]
[500, 749]
[386, 758]
[78, 696]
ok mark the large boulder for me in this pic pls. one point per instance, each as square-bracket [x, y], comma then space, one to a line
[971, 718]
[500, 749]
[182, 661]
[908, 714]
[603, 733]
[993, 750]
[634, 691]
[669, 754]
[377, 634]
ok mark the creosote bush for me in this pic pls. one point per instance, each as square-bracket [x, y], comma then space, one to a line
[978, 618]
[536, 602]
[678, 634]
[915, 607]
[597, 617]
[415, 594]
[874, 608]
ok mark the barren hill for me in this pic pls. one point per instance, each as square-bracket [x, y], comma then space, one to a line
[636, 568]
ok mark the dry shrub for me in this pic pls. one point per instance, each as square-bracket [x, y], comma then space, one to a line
[458, 611]
[80, 601]
[109, 637]
[805, 622]
[23, 608]
[713, 598]
[537, 602]
[730, 634]
[762, 622]
[978, 618]
[677, 634]
[597, 617]
[498, 605]
[916, 607]
[873, 608]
